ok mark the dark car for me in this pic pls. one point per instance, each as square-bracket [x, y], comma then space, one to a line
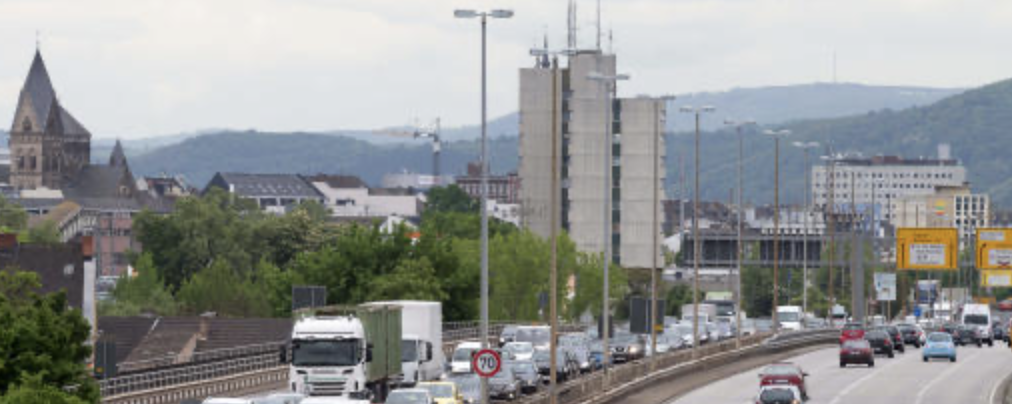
[856, 351]
[999, 331]
[949, 328]
[967, 335]
[897, 337]
[911, 334]
[504, 385]
[527, 373]
[851, 331]
[881, 343]
[784, 373]
[565, 367]
[625, 348]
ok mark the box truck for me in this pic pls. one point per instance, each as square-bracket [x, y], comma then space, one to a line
[422, 356]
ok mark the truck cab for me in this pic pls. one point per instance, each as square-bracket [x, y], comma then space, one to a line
[328, 357]
[789, 317]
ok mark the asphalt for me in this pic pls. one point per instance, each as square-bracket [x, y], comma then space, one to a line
[973, 378]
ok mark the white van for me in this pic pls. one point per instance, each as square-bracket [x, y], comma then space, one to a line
[789, 317]
[462, 355]
[979, 315]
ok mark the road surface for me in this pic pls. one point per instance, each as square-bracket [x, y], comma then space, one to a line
[903, 379]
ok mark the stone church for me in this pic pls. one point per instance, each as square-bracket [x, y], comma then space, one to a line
[49, 148]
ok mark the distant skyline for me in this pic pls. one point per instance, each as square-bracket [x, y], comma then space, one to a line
[139, 68]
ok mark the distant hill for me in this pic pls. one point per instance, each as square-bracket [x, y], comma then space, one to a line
[976, 123]
[200, 157]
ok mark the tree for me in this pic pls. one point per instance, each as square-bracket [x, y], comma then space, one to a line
[13, 217]
[678, 296]
[42, 342]
[589, 279]
[142, 293]
[412, 279]
[33, 391]
[451, 199]
[275, 286]
[43, 233]
[220, 289]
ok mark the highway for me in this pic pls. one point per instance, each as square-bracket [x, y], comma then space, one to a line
[903, 379]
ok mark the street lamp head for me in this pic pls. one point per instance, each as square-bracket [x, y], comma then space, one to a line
[465, 13]
[501, 14]
[782, 132]
[686, 109]
[709, 108]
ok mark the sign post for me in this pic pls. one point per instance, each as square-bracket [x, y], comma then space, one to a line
[486, 363]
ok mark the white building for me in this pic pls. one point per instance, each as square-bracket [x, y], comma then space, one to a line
[882, 180]
[349, 196]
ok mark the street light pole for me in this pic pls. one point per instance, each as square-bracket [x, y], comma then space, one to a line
[484, 174]
[695, 232]
[741, 249]
[654, 310]
[776, 222]
[804, 247]
[606, 82]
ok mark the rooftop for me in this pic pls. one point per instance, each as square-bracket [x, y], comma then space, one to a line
[893, 161]
[281, 185]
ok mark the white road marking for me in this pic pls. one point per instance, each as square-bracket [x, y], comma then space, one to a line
[942, 376]
[850, 387]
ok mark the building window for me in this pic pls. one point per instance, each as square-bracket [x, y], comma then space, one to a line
[31, 163]
[26, 125]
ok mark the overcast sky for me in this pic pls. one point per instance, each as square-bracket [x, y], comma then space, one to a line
[136, 68]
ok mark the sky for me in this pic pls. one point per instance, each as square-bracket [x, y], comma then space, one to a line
[139, 68]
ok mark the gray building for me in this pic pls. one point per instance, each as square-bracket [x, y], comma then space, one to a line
[273, 193]
[581, 110]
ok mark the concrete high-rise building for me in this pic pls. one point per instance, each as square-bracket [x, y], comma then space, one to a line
[582, 110]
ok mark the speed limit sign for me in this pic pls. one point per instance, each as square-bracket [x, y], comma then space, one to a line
[486, 363]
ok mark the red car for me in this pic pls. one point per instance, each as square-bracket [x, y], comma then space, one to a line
[851, 331]
[1005, 305]
[857, 351]
[784, 373]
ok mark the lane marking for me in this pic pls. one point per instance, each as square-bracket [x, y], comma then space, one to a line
[850, 387]
[994, 390]
[942, 376]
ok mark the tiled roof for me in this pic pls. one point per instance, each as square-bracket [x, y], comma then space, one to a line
[96, 182]
[280, 185]
[340, 181]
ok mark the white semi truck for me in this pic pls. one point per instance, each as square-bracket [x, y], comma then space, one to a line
[348, 352]
[422, 356]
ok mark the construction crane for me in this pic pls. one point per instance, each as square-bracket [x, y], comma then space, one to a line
[431, 133]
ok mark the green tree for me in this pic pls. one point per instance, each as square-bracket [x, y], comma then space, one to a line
[411, 279]
[43, 233]
[143, 293]
[13, 217]
[221, 289]
[451, 199]
[33, 391]
[678, 296]
[42, 341]
[589, 277]
[275, 285]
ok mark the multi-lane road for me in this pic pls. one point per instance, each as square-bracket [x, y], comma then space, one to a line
[903, 379]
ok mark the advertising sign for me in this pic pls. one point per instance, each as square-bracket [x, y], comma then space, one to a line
[994, 249]
[996, 278]
[927, 249]
[927, 291]
[885, 286]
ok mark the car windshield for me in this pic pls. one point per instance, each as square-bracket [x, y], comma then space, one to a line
[409, 351]
[855, 343]
[853, 326]
[776, 395]
[939, 337]
[406, 397]
[536, 336]
[519, 348]
[780, 370]
[788, 316]
[326, 352]
[975, 319]
[503, 375]
[463, 354]
[437, 390]
[523, 368]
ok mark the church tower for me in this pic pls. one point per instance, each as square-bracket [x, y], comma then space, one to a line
[48, 146]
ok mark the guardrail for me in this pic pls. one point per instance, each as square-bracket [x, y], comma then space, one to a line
[598, 388]
[199, 357]
[185, 374]
[594, 388]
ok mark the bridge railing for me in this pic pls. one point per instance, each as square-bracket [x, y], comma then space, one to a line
[187, 373]
[199, 357]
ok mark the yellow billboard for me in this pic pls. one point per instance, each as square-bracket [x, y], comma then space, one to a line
[934, 249]
[996, 278]
[994, 249]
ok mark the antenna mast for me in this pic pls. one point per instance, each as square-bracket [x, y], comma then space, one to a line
[598, 25]
[571, 25]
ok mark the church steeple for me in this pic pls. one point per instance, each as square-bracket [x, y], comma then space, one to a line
[118, 158]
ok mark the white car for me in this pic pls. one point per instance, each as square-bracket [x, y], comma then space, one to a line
[521, 351]
[331, 400]
[778, 394]
[460, 362]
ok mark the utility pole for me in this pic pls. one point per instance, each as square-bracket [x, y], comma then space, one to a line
[695, 233]
[831, 229]
[804, 243]
[776, 222]
[741, 208]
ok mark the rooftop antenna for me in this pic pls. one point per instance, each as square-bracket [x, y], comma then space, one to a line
[38, 41]
[611, 42]
[598, 25]
[571, 25]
